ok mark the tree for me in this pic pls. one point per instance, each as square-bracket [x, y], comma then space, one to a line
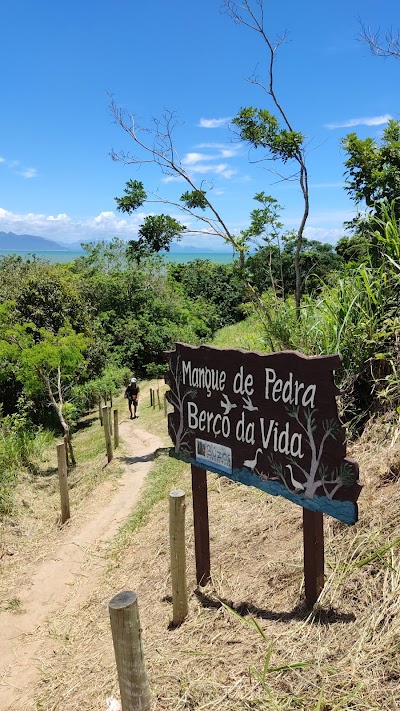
[261, 129]
[42, 361]
[155, 144]
[387, 46]
[271, 267]
[373, 173]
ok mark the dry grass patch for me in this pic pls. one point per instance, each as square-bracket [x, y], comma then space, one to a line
[27, 536]
[345, 655]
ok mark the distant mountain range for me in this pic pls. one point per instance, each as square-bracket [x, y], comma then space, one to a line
[32, 243]
[29, 243]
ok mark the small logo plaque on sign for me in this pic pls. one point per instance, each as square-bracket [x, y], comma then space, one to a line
[215, 455]
[266, 420]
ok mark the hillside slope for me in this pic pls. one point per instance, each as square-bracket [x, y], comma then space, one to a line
[345, 655]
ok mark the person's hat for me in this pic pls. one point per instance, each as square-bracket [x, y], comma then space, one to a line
[133, 380]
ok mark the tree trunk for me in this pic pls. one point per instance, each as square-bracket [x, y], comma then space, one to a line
[46, 381]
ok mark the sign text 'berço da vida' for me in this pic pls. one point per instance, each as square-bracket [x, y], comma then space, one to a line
[266, 420]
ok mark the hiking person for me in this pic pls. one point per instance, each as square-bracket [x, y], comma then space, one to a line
[132, 393]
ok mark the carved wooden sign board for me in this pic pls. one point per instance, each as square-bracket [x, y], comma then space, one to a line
[265, 420]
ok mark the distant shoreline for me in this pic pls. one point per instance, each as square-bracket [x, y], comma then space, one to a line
[64, 255]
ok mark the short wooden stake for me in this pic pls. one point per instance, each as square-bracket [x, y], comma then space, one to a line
[158, 398]
[126, 634]
[63, 479]
[100, 413]
[313, 540]
[201, 529]
[107, 433]
[178, 555]
[165, 405]
[151, 397]
[116, 429]
[154, 399]
[110, 424]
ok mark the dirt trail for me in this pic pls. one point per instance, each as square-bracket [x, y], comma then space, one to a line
[70, 573]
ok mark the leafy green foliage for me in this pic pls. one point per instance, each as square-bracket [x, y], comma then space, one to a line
[356, 316]
[261, 128]
[195, 198]
[373, 172]
[135, 196]
[213, 286]
[155, 234]
[272, 266]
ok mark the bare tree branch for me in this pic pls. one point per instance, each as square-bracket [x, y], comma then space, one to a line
[250, 13]
[387, 46]
[160, 151]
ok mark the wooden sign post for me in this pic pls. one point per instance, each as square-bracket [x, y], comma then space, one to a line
[201, 528]
[269, 421]
[313, 543]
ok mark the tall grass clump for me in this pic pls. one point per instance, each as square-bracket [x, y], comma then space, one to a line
[21, 444]
[358, 316]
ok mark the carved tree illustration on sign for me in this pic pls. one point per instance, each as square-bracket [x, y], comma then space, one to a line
[317, 476]
[177, 398]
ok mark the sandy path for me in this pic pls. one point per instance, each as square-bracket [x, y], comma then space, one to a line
[70, 573]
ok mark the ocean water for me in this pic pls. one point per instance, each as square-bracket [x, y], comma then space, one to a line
[181, 257]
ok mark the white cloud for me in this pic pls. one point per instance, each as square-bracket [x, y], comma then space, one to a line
[193, 158]
[367, 121]
[213, 122]
[173, 179]
[235, 147]
[28, 172]
[322, 234]
[218, 169]
[24, 171]
[64, 228]
[227, 152]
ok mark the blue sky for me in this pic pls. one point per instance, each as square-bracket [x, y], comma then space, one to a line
[60, 60]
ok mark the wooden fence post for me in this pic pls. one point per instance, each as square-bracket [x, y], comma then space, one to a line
[201, 529]
[100, 413]
[110, 420]
[154, 398]
[178, 555]
[116, 429]
[126, 634]
[151, 397]
[313, 540]
[107, 433]
[158, 397]
[165, 405]
[63, 479]
[65, 438]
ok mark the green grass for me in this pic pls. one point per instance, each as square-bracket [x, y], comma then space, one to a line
[164, 475]
[12, 605]
[248, 334]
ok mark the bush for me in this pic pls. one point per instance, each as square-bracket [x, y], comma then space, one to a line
[20, 444]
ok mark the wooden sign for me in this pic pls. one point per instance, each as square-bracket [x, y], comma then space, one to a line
[266, 420]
